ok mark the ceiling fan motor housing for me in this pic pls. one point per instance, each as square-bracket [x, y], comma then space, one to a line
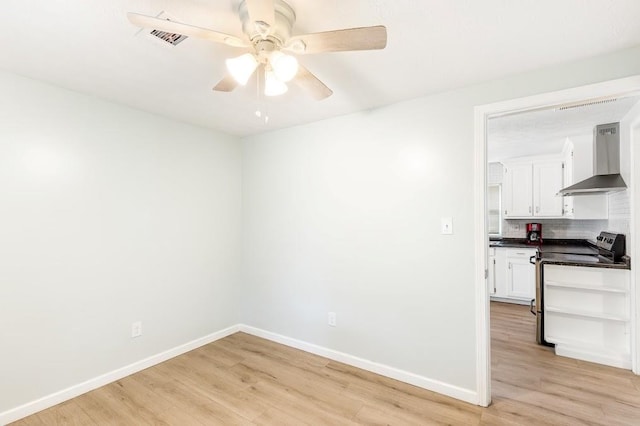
[279, 32]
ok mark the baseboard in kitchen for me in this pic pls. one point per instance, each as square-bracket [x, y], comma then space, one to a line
[508, 300]
[585, 354]
[55, 398]
[447, 389]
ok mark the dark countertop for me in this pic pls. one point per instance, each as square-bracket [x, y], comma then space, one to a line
[548, 245]
[569, 252]
[583, 260]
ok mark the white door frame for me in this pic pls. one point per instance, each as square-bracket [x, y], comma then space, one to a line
[633, 121]
[596, 91]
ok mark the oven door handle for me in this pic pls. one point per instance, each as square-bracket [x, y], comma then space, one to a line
[531, 260]
[532, 308]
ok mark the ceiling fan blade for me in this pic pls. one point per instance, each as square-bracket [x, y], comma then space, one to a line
[151, 22]
[310, 83]
[226, 84]
[364, 38]
[262, 14]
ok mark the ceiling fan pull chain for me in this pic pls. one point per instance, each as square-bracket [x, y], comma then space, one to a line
[261, 111]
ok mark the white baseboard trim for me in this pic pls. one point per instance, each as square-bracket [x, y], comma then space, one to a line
[462, 394]
[32, 407]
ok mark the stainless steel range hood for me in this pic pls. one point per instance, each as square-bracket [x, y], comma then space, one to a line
[606, 164]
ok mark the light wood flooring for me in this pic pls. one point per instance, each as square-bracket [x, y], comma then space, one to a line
[245, 380]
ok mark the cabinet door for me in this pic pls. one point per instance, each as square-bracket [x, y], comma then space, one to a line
[521, 278]
[547, 181]
[492, 276]
[518, 188]
[567, 202]
[500, 277]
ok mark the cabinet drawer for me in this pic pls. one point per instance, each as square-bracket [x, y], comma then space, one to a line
[523, 253]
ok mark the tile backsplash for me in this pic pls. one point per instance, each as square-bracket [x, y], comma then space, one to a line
[619, 222]
[556, 228]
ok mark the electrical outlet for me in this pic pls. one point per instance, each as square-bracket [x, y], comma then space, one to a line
[136, 329]
[331, 319]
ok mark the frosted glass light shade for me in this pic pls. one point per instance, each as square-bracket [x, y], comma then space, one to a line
[272, 85]
[285, 67]
[242, 67]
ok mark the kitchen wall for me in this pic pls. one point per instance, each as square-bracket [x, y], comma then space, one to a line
[108, 215]
[344, 215]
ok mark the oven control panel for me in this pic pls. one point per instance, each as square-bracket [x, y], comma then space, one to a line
[610, 242]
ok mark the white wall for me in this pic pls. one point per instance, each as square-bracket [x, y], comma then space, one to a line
[344, 215]
[108, 215]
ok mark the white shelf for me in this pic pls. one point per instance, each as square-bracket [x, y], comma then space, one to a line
[586, 287]
[586, 314]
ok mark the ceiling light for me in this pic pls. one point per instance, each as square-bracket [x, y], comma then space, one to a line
[285, 67]
[242, 67]
[272, 85]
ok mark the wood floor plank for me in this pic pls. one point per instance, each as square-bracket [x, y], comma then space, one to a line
[174, 383]
[376, 415]
[246, 380]
[189, 397]
[276, 417]
[67, 413]
[297, 404]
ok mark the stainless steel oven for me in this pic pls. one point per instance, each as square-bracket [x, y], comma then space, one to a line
[537, 304]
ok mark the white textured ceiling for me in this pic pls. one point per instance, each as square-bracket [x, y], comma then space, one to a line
[433, 45]
[544, 131]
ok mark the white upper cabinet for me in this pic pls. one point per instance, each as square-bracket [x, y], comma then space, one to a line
[530, 188]
[547, 181]
[518, 190]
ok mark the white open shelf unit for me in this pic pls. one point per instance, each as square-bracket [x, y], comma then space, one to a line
[587, 313]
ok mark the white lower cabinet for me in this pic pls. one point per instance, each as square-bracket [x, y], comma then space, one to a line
[521, 274]
[497, 272]
[491, 282]
[511, 276]
[587, 313]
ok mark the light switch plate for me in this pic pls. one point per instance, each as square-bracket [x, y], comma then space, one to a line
[446, 224]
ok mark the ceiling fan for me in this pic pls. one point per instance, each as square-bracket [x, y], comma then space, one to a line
[267, 25]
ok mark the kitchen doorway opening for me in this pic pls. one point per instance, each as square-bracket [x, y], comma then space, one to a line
[564, 98]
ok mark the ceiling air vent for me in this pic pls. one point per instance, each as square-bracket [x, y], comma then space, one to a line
[171, 38]
[586, 104]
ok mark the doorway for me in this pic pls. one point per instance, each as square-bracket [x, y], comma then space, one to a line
[593, 93]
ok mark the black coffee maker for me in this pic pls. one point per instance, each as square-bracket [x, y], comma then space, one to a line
[534, 233]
